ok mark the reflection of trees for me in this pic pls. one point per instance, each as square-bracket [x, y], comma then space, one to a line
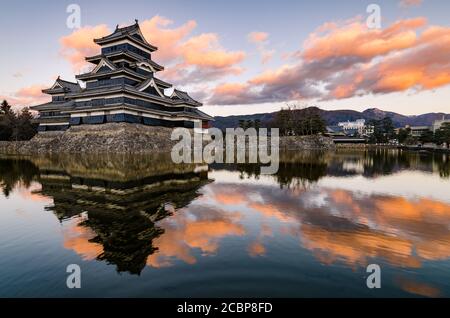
[300, 173]
[14, 172]
[301, 168]
[443, 166]
[378, 162]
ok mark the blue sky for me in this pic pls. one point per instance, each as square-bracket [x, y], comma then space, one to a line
[32, 31]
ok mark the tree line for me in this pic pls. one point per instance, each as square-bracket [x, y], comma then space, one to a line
[16, 126]
[383, 130]
[441, 136]
[299, 121]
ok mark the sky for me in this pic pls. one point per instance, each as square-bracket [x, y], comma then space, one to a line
[245, 57]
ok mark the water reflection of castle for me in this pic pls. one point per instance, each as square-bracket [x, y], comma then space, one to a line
[122, 198]
[122, 211]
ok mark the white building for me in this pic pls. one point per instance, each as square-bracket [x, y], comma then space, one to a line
[358, 125]
[437, 124]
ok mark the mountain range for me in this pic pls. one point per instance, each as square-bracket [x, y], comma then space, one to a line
[332, 117]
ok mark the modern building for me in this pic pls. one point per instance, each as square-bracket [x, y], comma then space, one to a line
[357, 125]
[122, 87]
[418, 131]
[437, 124]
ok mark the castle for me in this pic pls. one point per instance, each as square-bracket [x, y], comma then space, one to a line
[122, 87]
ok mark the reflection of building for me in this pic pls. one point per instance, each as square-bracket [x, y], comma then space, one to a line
[122, 87]
[121, 212]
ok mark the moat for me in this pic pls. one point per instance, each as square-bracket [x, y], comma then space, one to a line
[140, 226]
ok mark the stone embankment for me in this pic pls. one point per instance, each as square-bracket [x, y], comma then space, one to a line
[127, 138]
[106, 138]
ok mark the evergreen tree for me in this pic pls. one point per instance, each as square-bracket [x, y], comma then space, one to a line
[15, 126]
[443, 134]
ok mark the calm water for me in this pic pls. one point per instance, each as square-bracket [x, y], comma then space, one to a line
[142, 227]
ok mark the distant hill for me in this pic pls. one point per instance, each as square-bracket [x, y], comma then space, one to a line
[332, 117]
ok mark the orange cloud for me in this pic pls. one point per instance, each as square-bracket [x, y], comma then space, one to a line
[158, 32]
[348, 59]
[27, 96]
[188, 58]
[204, 51]
[355, 39]
[410, 3]
[258, 37]
[80, 43]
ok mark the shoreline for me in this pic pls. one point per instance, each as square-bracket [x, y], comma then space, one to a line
[126, 138]
[129, 138]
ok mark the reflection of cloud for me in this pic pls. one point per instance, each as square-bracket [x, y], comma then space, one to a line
[348, 226]
[355, 248]
[256, 249]
[195, 227]
[417, 288]
[32, 193]
[76, 238]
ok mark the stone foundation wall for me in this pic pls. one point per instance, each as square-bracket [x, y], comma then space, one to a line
[106, 138]
[306, 143]
[127, 138]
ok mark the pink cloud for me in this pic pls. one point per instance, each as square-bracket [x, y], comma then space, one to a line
[410, 3]
[261, 40]
[158, 31]
[26, 96]
[80, 43]
[349, 60]
[355, 39]
[187, 57]
[258, 37]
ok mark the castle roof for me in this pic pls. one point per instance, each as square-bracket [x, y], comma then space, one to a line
[132, 32]
[184, 97]
[62, 86]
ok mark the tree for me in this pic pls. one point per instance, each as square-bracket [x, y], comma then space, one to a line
[298, 121]
[426, 137]
[282, 121]
[443, 134]
[5, 108]
[383, 130]
[257, 124]
[24, 128]
[403, 134]
[7, 121]
[242, 124]
[15, 126]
